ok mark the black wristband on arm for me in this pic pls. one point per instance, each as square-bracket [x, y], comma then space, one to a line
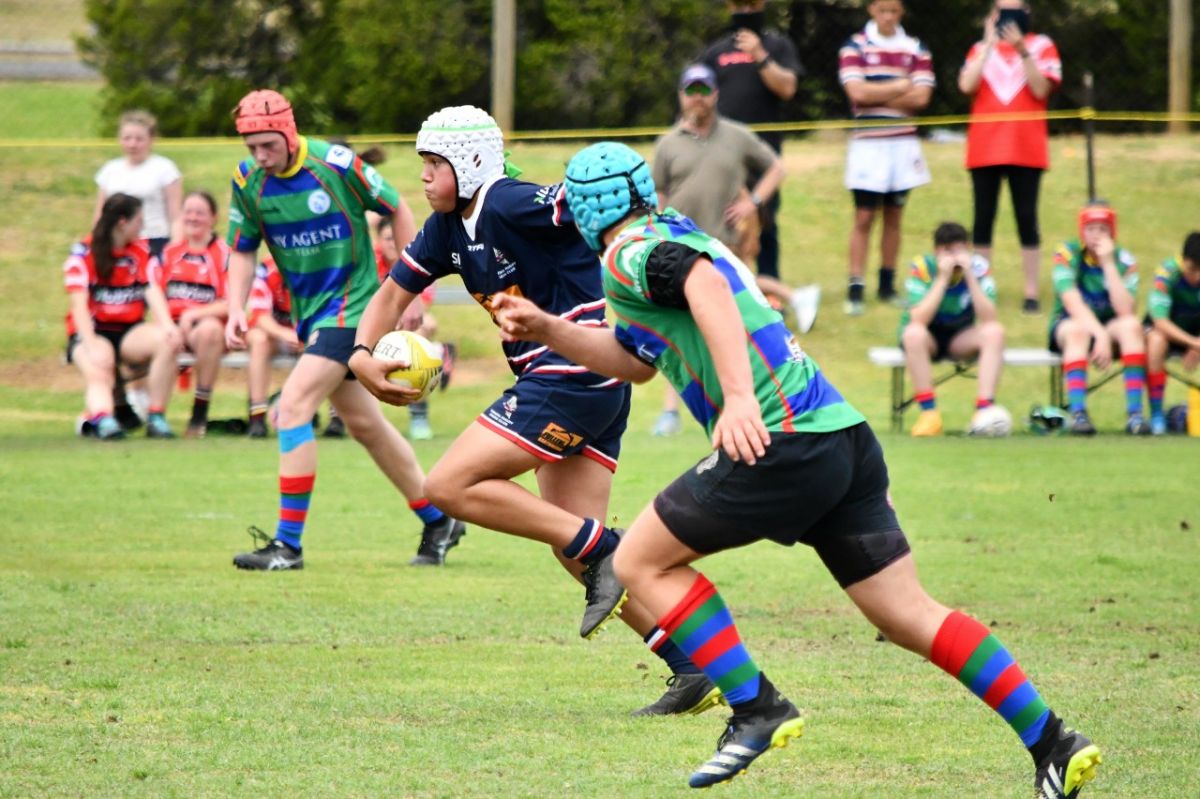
[362, 347]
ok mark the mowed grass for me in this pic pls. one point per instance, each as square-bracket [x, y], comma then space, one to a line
[135, 661]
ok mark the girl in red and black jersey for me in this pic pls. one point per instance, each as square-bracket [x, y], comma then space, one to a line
[192, 275]
[107, 277]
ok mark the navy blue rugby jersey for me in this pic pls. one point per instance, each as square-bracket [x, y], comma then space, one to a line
[520, 239]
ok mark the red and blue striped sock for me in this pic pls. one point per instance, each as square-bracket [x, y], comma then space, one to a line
[702, 627]
[1156, 385]
[661, 644]
[1076, 373]
[426, 511]
[295, 492]
[968, 651]
[926, 400]
[593, 542]
[1135, 380]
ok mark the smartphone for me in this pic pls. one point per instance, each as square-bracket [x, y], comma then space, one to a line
[1017, 16]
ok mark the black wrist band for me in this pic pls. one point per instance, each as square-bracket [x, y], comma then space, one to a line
[762, 64]
[362, 347]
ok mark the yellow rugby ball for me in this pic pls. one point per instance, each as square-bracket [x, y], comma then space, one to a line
[424, 359]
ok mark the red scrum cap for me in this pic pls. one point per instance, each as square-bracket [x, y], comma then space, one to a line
[1098, 212]
[265, 110]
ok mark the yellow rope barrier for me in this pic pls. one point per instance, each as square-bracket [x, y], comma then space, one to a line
[589, 134]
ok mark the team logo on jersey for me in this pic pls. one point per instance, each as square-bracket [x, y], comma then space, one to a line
[319, 202]
[340, 156]
[374, 180]
[558, 438]
[546, 194]
[709, 462]
[510, 406]
[501, 257]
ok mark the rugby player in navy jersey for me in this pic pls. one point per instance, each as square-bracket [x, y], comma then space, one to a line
[559, 420]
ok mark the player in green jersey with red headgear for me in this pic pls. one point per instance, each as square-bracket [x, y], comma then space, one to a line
[792, 462]
[307, 200]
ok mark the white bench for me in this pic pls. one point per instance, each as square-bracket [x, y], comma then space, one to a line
[238, 359]
[893, 358]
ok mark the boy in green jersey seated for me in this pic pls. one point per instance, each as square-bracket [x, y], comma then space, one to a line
[1173, 323]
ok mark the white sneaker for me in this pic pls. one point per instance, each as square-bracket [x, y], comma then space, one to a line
[667, 424]
[805, 302]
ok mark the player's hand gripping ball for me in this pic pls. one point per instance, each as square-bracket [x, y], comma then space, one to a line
[424, 359]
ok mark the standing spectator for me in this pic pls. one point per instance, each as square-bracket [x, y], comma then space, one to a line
[1173, 323]
[107, 278]
[1013, 70]
[192, 276]
[1095, 289]
[306, 199]
[701, 167]
[153, 179]
[757, 72]
[886, 74]
[951, 313]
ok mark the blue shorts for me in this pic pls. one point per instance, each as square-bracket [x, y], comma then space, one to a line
[553, 419]
[334, 343]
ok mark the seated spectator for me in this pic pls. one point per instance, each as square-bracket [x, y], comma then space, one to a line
[271, 331]
[951, 313]
[1095, 300]
[1173, 324]
[107, 277]
[416, 318]
[192, 275]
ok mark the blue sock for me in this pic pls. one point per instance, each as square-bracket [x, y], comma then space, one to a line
[593, 542]
[662, 645]
[426, 511]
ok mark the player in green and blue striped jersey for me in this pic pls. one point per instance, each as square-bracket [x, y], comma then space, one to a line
[792, 462]
[307, 200]
[1173, 323]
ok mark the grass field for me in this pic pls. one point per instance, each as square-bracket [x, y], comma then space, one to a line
[135, 661]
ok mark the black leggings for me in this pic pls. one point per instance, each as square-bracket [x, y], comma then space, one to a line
[1023, 184]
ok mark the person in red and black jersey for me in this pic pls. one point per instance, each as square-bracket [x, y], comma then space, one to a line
[269, 315]
[192, 275]
[107, 277]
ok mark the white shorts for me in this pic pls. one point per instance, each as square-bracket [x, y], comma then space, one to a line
[886, 165]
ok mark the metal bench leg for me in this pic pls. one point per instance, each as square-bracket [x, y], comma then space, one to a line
[1057, 397]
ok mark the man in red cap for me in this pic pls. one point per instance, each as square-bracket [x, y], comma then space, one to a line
[306, 199]
[1095, 304]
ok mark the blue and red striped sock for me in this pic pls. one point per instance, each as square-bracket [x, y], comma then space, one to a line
[968, 651]
[1135, 380]
[926, 400]
[702, 627]
[593, 542]
[1156, 386]
[661, 644]
[295, 493]
[426, 511]
[1076, 374]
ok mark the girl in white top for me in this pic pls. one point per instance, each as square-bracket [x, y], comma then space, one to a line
[153, 179]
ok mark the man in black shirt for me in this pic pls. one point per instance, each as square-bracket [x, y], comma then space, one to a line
[757, 72]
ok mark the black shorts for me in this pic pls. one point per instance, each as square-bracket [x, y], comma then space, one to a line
[874, 199]
[1189, 326]
[942, 336]
[114, 336]
[334, 343]
[826, 490]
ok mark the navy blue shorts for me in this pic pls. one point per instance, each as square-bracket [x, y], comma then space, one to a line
[334, 343]
[553, 419]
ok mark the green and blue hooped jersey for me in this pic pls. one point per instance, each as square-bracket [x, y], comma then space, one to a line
[791, 390]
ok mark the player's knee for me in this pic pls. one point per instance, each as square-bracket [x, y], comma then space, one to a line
[443, 489]
[992, 334]
[915, 335]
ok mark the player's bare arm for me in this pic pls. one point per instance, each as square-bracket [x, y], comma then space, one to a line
[380, 316]
[241, 270]
[739, 430]
[595, 348]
